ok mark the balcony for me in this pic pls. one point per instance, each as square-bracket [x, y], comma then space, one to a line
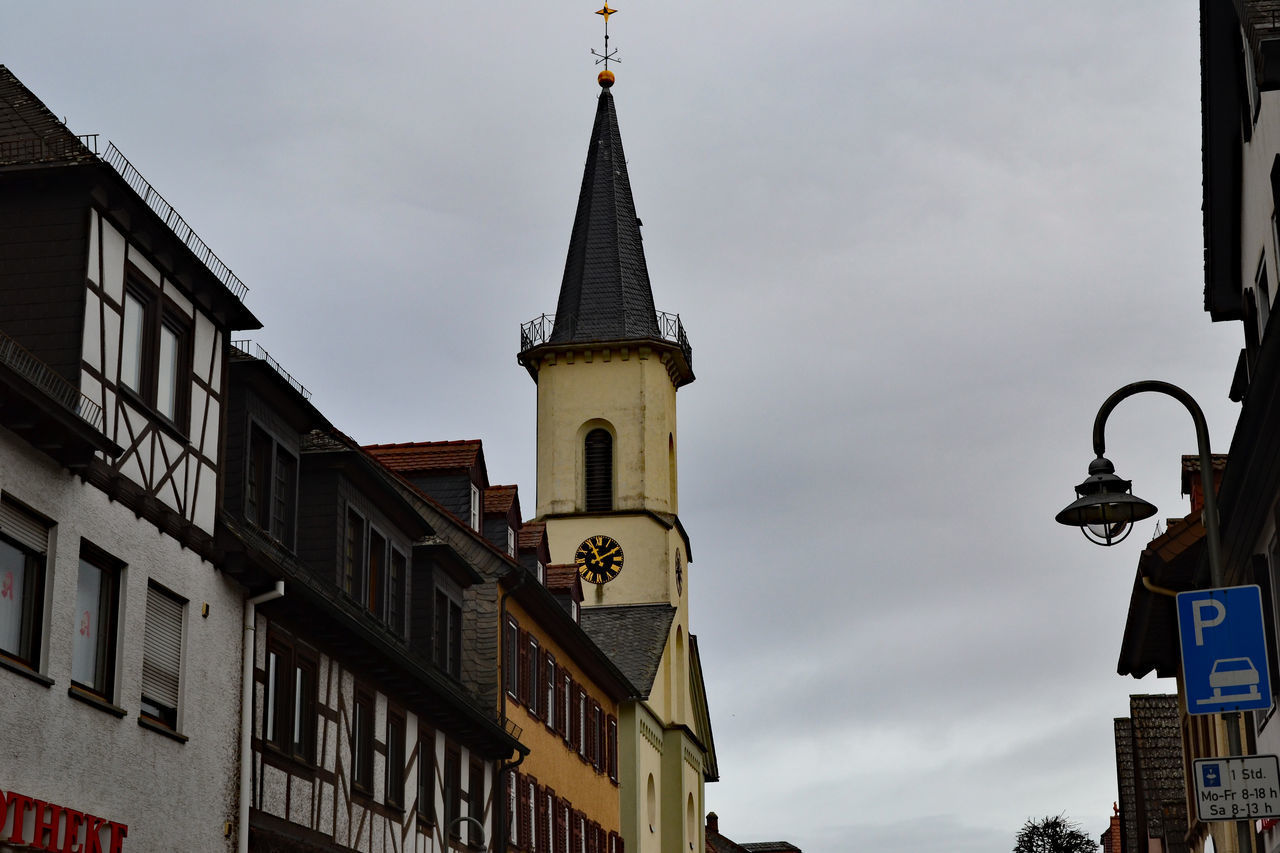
[48, 411]
[538, 331]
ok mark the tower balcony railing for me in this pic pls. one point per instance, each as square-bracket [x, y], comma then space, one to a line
[18, 359]
[174, 221]
[538, 331]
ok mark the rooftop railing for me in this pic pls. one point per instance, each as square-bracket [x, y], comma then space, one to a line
[44, 377]
[37, 149]
[250, 349]
[174, 221]
[538, 331]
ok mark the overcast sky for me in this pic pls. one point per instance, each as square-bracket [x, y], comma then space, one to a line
[915, 245]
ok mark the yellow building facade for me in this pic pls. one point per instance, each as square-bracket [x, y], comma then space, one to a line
[608, 368]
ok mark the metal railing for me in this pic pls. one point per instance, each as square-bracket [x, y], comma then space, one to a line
[174, 221]
[258, 352]
[37, 149]
[44, 377]
[538, 331]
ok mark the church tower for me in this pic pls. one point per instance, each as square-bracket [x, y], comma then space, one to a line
[608, 366]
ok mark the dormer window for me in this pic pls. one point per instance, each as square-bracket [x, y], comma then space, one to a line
[542, 573]
[271, 487]
[511, 541]
[475, 507]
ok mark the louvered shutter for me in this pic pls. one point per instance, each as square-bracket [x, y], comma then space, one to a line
[23, 529]
[162, 649]
[522, 821]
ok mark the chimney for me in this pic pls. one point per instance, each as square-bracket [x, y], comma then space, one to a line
[713, 823]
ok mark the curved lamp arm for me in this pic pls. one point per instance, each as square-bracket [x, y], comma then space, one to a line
[458, 820]
[1210, 513]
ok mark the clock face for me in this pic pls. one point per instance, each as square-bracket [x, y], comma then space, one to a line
[599, 559]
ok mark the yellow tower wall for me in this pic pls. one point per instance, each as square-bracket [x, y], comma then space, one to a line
[628, 391]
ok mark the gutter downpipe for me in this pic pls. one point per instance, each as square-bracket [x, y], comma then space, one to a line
[246, 711]
[502, 836]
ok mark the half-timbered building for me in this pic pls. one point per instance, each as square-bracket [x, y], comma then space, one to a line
[118, 636]
[364, 736]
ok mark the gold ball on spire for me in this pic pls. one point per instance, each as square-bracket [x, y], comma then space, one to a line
[605, 78]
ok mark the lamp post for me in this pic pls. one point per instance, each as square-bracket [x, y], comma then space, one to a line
[1105, 509]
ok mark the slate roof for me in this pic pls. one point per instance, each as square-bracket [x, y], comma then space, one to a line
[605, 293]
[417, 456]
[498, 499]
[30, 133]
[634, 636]
[1153, 803]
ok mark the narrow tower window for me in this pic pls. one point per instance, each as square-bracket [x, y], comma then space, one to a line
[598, 462]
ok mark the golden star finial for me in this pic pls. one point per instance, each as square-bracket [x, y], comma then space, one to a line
[608, 55]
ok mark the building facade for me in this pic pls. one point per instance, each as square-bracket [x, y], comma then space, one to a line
[118, 636]
[608, 367]
[363, 735]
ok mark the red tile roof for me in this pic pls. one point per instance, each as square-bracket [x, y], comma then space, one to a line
[531, 533]
[414, 456]
[562, 577]
[498, 499]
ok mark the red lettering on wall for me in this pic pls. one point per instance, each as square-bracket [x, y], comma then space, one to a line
[18, 805]
[71, 831]
[93, 834]
[118, 832]
[48, 816]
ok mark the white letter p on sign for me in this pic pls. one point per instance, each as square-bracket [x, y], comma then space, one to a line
[1201, 623]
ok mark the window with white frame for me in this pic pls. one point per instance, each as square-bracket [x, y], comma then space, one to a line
[24, 541]
[475, 507]
[93, 645]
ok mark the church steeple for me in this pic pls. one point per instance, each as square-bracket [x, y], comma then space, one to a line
[605, 293]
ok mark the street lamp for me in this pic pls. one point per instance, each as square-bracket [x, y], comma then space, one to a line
[1105, 510]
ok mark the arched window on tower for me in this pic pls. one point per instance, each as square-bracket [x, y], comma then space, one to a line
[598, 465]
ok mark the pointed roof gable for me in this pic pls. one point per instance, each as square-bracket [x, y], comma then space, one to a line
[605, 293]
[32, 135]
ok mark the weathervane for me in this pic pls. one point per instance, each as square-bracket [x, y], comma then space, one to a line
[608, 56]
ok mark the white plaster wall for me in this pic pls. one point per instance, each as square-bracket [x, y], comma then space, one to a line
[173, 796]
[1257, 204]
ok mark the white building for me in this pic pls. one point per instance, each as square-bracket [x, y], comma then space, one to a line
[119, 638]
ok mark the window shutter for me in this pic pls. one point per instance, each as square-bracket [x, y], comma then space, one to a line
[22, 528]
[162, 648]
[522, 668]
[598, 459]
[522, 813]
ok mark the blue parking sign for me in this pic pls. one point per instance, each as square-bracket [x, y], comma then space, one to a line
[1224, 650]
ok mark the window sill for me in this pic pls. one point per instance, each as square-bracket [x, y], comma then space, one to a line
[163, 421]
[160, 728]
[278, 758]
[25, 671]
[93, 700]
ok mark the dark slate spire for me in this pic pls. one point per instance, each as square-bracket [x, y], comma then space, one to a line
[605, 293]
